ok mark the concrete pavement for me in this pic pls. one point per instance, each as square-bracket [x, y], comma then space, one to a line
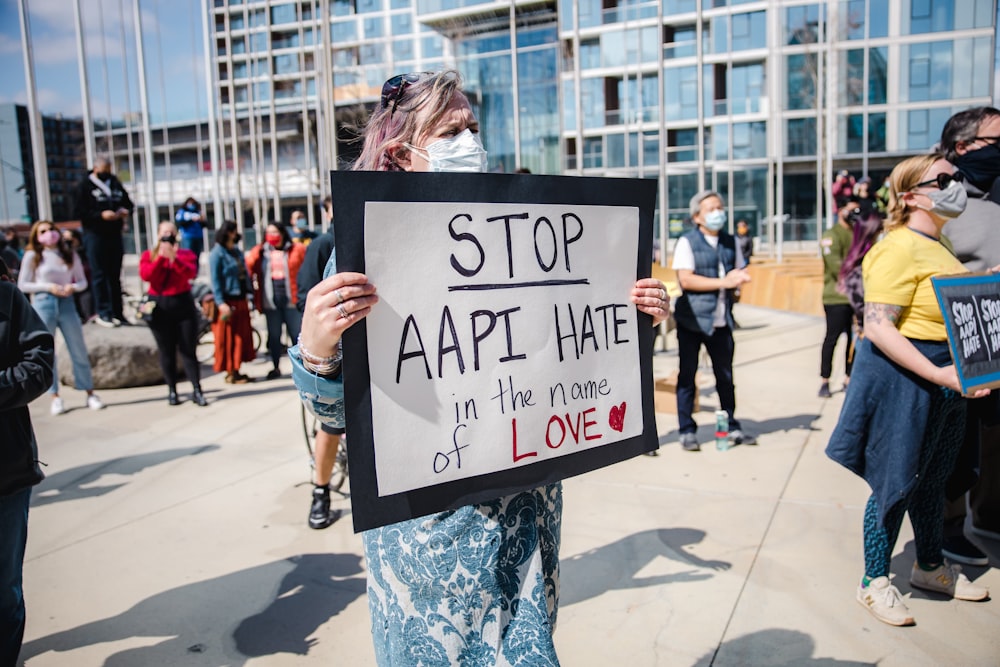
[177, 536]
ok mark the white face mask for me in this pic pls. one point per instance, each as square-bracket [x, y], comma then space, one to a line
[948, 203]
[715, 220]
[463, 152]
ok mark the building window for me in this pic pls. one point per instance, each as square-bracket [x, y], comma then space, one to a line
[283, 14]
[679, 6]
[344, 31]
[593, 152]
[373, 27]
[946, 70]
[590, 54]
[680, 92]
[800, 137]
[402, 49]
[749, 140]
[930, 16]
[748, 90]
[802, 24]
[682, 145]
[679, 41]
[749, 31]
[592, 102]
[402, 24]
[800, 74]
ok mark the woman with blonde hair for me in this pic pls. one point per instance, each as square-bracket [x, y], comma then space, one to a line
[905, 446]
[52, 273]
[169, 270]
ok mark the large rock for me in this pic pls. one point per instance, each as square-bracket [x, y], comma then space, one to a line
[120, 357]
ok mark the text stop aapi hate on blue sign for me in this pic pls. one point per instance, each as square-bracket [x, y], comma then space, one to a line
[505, 336]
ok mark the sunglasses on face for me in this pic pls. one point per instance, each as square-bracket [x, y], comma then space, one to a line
[990, 140]
[942, 180]
[393, 89]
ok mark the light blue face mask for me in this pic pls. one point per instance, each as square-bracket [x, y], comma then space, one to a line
[463, 152]
[715, 220]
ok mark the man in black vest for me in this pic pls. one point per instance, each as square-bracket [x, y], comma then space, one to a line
[103, 206]
[709, 268]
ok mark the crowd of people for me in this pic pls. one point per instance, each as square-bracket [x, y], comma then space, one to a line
[935, 214]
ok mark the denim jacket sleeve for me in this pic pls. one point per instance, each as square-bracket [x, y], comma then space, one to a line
[323, 396]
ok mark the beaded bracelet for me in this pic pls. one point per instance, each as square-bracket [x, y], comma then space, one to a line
[317, 361]
[324, 370]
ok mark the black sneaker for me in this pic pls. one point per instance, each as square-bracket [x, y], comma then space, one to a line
[824, 390]
[320, 514]
[959, 549]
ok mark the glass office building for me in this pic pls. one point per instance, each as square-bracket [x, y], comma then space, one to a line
[761, 100]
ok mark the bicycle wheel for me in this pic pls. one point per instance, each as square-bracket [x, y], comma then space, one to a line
[340, 473]
[205, 352]
[309, 427]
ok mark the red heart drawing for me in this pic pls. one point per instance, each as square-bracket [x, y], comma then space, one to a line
[616, 419]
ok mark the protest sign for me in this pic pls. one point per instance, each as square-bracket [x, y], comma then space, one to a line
[970, 305]
[504, 353]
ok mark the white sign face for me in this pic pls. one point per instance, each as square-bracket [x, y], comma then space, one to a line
[504, 336]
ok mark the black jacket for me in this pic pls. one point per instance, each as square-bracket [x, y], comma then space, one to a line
[91, 202]
[27, 357]
[311, 272]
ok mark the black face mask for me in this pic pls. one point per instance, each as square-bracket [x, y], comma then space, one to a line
[237, 238]
[104, 176]
[981, 167]
[169, 238]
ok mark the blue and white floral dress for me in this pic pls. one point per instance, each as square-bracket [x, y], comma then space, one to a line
[476, 586]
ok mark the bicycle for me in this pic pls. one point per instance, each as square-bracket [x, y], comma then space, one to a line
[310, 425]
[205, 351]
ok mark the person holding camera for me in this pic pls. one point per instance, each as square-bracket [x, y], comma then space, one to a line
[834, 245]
[169, 270]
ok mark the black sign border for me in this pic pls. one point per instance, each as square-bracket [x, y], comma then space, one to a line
[350, 191]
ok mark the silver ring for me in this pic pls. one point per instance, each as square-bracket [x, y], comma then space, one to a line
[343, 311]
[340, 297]
[663, 294]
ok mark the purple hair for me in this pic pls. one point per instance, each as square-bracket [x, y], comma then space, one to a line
[392, 126]
[867, 227]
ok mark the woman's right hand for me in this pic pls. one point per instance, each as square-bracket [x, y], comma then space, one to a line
[225, 312]
[332, 306]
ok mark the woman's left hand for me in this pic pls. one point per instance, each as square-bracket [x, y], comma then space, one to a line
[650, 296]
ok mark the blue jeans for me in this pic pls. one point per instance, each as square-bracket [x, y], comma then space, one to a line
[720, 349]
[195, 244]
[292, 319]
[13, 537]
[61, 311]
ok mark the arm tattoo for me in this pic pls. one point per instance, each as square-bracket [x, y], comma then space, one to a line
[879, 312]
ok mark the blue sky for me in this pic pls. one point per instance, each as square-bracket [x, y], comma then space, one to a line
[172, 30]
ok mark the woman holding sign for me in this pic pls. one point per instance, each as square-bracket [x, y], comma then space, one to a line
[476, 585]
[902, 422]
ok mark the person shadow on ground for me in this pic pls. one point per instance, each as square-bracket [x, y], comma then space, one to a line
[774, 647]
[614, 566]
[264, 610]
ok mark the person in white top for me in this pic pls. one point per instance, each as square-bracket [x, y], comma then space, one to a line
[709, 268]
[51, 273]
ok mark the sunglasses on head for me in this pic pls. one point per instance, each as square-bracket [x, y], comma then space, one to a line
[393, 89]
[942, 180]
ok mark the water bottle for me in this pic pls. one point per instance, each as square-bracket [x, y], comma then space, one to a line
[721, 430]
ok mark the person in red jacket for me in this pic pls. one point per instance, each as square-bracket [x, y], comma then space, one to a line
[274, 267]
[169, 270]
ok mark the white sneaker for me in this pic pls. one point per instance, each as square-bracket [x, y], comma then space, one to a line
[885, 603]
[94, 402]
[57, 407]
[947, 579]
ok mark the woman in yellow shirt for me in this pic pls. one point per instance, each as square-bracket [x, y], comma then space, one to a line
[901, 425]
